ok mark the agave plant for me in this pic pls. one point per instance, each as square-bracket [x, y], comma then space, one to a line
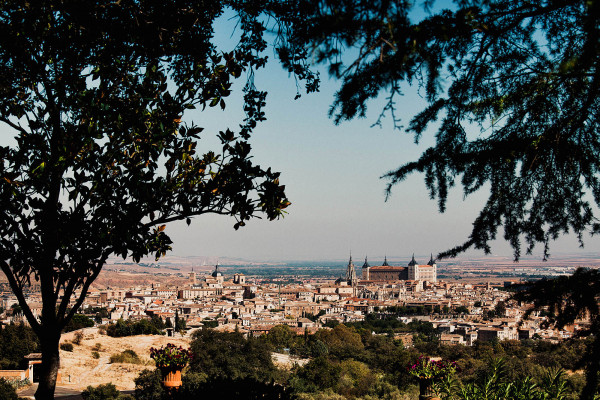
[554, 385]
[494, 386]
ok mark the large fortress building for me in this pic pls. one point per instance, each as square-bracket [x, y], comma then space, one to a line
[413, 271]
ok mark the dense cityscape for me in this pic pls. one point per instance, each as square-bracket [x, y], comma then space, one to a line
[453, 313]
[137, 137]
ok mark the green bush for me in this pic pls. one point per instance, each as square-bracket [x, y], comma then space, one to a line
[495, 384]
[103, 392]
[7, 391]
[66, 346]
[230, 354]
[127, 356]
[129, 328]
[16, 341]
[207, 323]
[95, 355]
[148, 386]
[196, 386]
[79, 321]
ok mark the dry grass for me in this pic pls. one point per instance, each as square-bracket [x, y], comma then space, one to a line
[79, 369]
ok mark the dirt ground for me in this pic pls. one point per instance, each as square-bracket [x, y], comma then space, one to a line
[79, 369]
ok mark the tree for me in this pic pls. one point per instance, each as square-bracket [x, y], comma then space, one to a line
[232, 356]
[342, 342]
[514, 88]
[317, 375]
[500, 309]
[77, 322]
[568, 298]
[355, 380]
[129, 328]
[512, 91]
[16, 341]
[281, 337]
[7, 391]
[180, 324]
[95, 94]
[461, 310]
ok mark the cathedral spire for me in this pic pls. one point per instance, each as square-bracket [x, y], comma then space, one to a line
[412, 262]
[431, 260]
[385, 263]
[351, 273]
[366, 264]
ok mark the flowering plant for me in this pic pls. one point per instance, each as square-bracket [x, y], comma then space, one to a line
[170, 356]
[425, 368]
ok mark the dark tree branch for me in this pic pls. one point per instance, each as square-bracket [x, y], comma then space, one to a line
[18, 292]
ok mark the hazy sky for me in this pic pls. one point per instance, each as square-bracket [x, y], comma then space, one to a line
[331, 175]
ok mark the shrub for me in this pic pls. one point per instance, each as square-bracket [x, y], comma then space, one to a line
[192, 383]
[102, 392]
[210, 323]
[239, 389]
[97, 347]
[496, 385]
[78, 338]
[95, 354]
[16, 341]
[127, 356]
[148, 386]
[7, 391]
[197, 386]
[130, 328]
[79, 321]
[66, 346]
[16, 383]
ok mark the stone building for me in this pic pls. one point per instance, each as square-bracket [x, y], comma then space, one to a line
[426, 272]
[413, 271]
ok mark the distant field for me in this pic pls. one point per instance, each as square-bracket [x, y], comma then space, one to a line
[174, 270]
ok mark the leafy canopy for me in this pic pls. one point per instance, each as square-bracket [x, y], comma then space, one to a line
[95, 94]
[513, 98]
[568, 299]
[230, 355]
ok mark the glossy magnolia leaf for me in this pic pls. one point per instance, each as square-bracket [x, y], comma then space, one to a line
[98, 167]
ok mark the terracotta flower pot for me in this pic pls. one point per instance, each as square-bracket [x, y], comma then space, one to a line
[171, 377]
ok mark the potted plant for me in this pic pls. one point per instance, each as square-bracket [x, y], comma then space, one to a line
[171, 359]
[427, 370]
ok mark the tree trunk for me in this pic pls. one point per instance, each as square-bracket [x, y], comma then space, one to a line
[592, 368]
[50, 364]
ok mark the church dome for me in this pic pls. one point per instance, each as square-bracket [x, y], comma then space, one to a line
[216, 272]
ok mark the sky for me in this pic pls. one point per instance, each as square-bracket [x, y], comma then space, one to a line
[332, 177]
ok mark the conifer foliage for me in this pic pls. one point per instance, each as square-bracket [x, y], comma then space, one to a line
[512, 92]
